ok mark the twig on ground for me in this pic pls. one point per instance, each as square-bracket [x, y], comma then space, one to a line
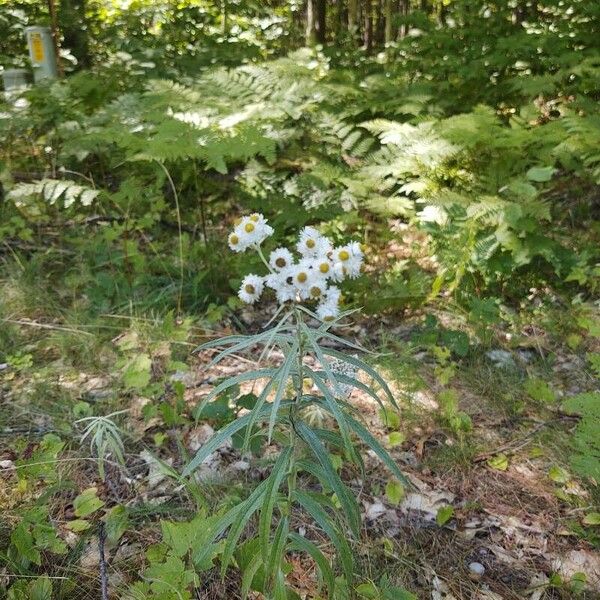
[103, 575]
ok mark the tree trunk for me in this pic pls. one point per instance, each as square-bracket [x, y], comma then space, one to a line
[389, 25]
[224, 23]
[74, 30]
[379, 23]
[404, 12]
[311, 31]
[368, 27]
[353, 17]
[442, 13]
[321, 21]
[55, 35]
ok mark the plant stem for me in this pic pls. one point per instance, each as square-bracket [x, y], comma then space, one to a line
[292, 477]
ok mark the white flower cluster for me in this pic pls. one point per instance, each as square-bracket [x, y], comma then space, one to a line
[311, 278]
[249, 231]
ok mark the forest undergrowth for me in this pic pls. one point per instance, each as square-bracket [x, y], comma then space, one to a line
[470, 174]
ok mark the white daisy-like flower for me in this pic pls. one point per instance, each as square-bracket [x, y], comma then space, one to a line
[302, 277]
[312, 243]
[249, 231]
[333, 295]
[235, 242]
[322, 266]
[280, 259]
[317, 288]
[327, 311]
[338, 272]
[251, 288]
[354, 264]
[282, 284]
[341, 254]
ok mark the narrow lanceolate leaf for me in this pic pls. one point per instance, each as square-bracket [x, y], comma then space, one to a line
[341, 341]
[344, 496]
[303, 545]
[336, 411]
[282, 377]
[363, 366]
[248, 508]
[280, 592]
[321, 358]
[364, 434]
[230, 382]
[248, 576]
[222, 524]
[359, 385]
[244, 343]
[259, 339]
[235, 339]
[280, 470]
[325, 523]
[221, 437]
[278, 547]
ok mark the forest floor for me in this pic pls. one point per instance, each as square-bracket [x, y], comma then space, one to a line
[494, 511]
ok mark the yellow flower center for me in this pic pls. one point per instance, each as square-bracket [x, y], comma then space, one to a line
[344, 255]
[363, 247]
[324, 267]
[315, 291]
[328, 318]
[280, 262]
[302, 277]
[310, 243]
[254, 217]
[249, 227]
[233, 239]
[250, 289]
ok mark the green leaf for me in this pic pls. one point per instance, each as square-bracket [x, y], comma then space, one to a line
[245, 511]
[278, 547]
[368, 590]
[87, 502]
[136, 374]
[222, 436]
[116, 522]
[78, 525]
[363, 366]
[230, 382]
[366, 436]
[22, 540]
[540, 174]
[282, 378]
[592, 518]
[321, 358]
[498, 462]
[335, 410]
[395, 438]
[347, 501]
[559, 475]
[397, 593]
[248, 575]
[444, 514]
[322, 519]
[41, 589]
[280, 470]
[394, 492]
[540, 391]
[303, 545]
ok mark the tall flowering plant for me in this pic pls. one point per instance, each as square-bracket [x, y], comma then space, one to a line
[314, 374]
